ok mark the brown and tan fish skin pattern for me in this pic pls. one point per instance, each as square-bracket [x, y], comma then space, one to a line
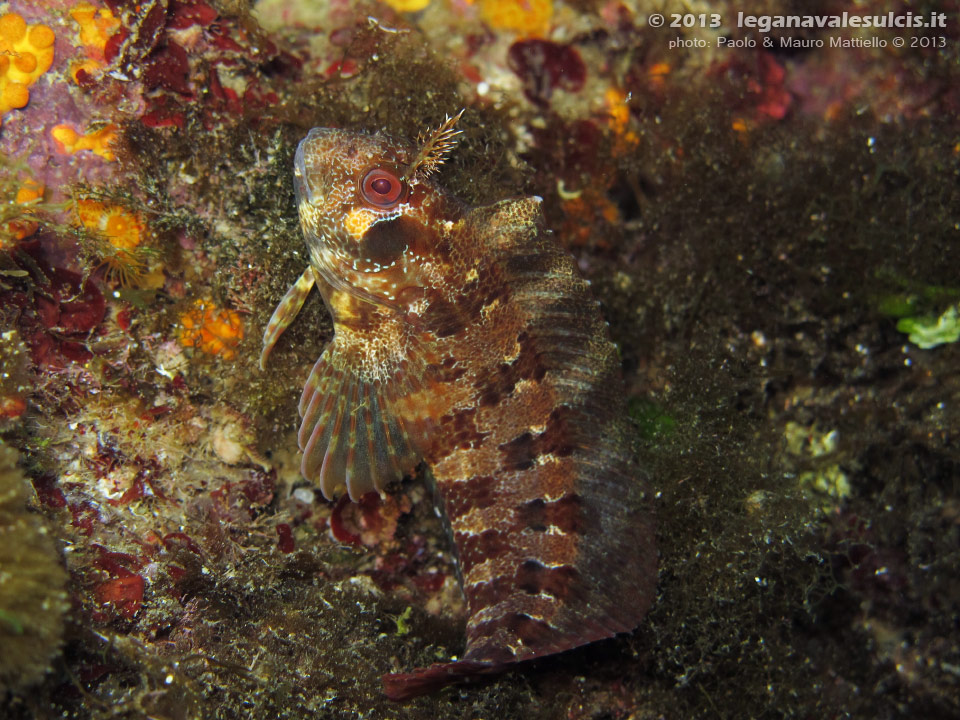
[467, 339]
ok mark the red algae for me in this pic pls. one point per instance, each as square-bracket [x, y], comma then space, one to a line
[57, 319]
[545, 67]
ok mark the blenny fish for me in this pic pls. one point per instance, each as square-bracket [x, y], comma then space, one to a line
[465, 339]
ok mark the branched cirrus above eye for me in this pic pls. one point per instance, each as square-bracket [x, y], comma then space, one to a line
[381, 188]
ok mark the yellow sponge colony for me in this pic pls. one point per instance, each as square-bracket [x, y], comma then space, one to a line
[528, 18]
[26, 53]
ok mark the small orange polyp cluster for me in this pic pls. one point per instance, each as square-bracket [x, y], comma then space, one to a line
[26, 53]
[122, 228]
[122, 232]
[29, 193]
[658, 74]
[96, 27]
[583, 213]
[619, 116]
[213, 330]
[524, 17]
[69, 141]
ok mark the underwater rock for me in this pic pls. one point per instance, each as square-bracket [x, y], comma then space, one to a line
[32, 596]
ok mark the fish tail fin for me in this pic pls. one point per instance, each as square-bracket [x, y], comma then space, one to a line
[406, 686]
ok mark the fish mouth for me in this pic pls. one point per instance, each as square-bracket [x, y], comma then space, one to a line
[302, 185]
[337, 268]
[311, 166]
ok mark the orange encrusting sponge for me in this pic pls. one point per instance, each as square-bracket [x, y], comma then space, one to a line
[97, 25]
[69, 141]
[213, 330]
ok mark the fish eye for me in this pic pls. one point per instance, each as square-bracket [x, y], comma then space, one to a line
[381, 188]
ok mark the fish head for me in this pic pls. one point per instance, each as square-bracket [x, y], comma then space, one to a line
[366, 214]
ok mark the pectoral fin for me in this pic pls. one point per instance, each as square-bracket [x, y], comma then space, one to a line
[285, 313]
[350, 436]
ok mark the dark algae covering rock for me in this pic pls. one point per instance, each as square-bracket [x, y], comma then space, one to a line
[771, 233]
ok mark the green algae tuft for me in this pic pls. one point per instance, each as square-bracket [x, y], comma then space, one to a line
[929, 332]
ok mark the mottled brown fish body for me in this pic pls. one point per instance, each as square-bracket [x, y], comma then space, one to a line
[466, 338]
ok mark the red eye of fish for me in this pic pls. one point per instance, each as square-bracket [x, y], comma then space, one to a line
[381, 188]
